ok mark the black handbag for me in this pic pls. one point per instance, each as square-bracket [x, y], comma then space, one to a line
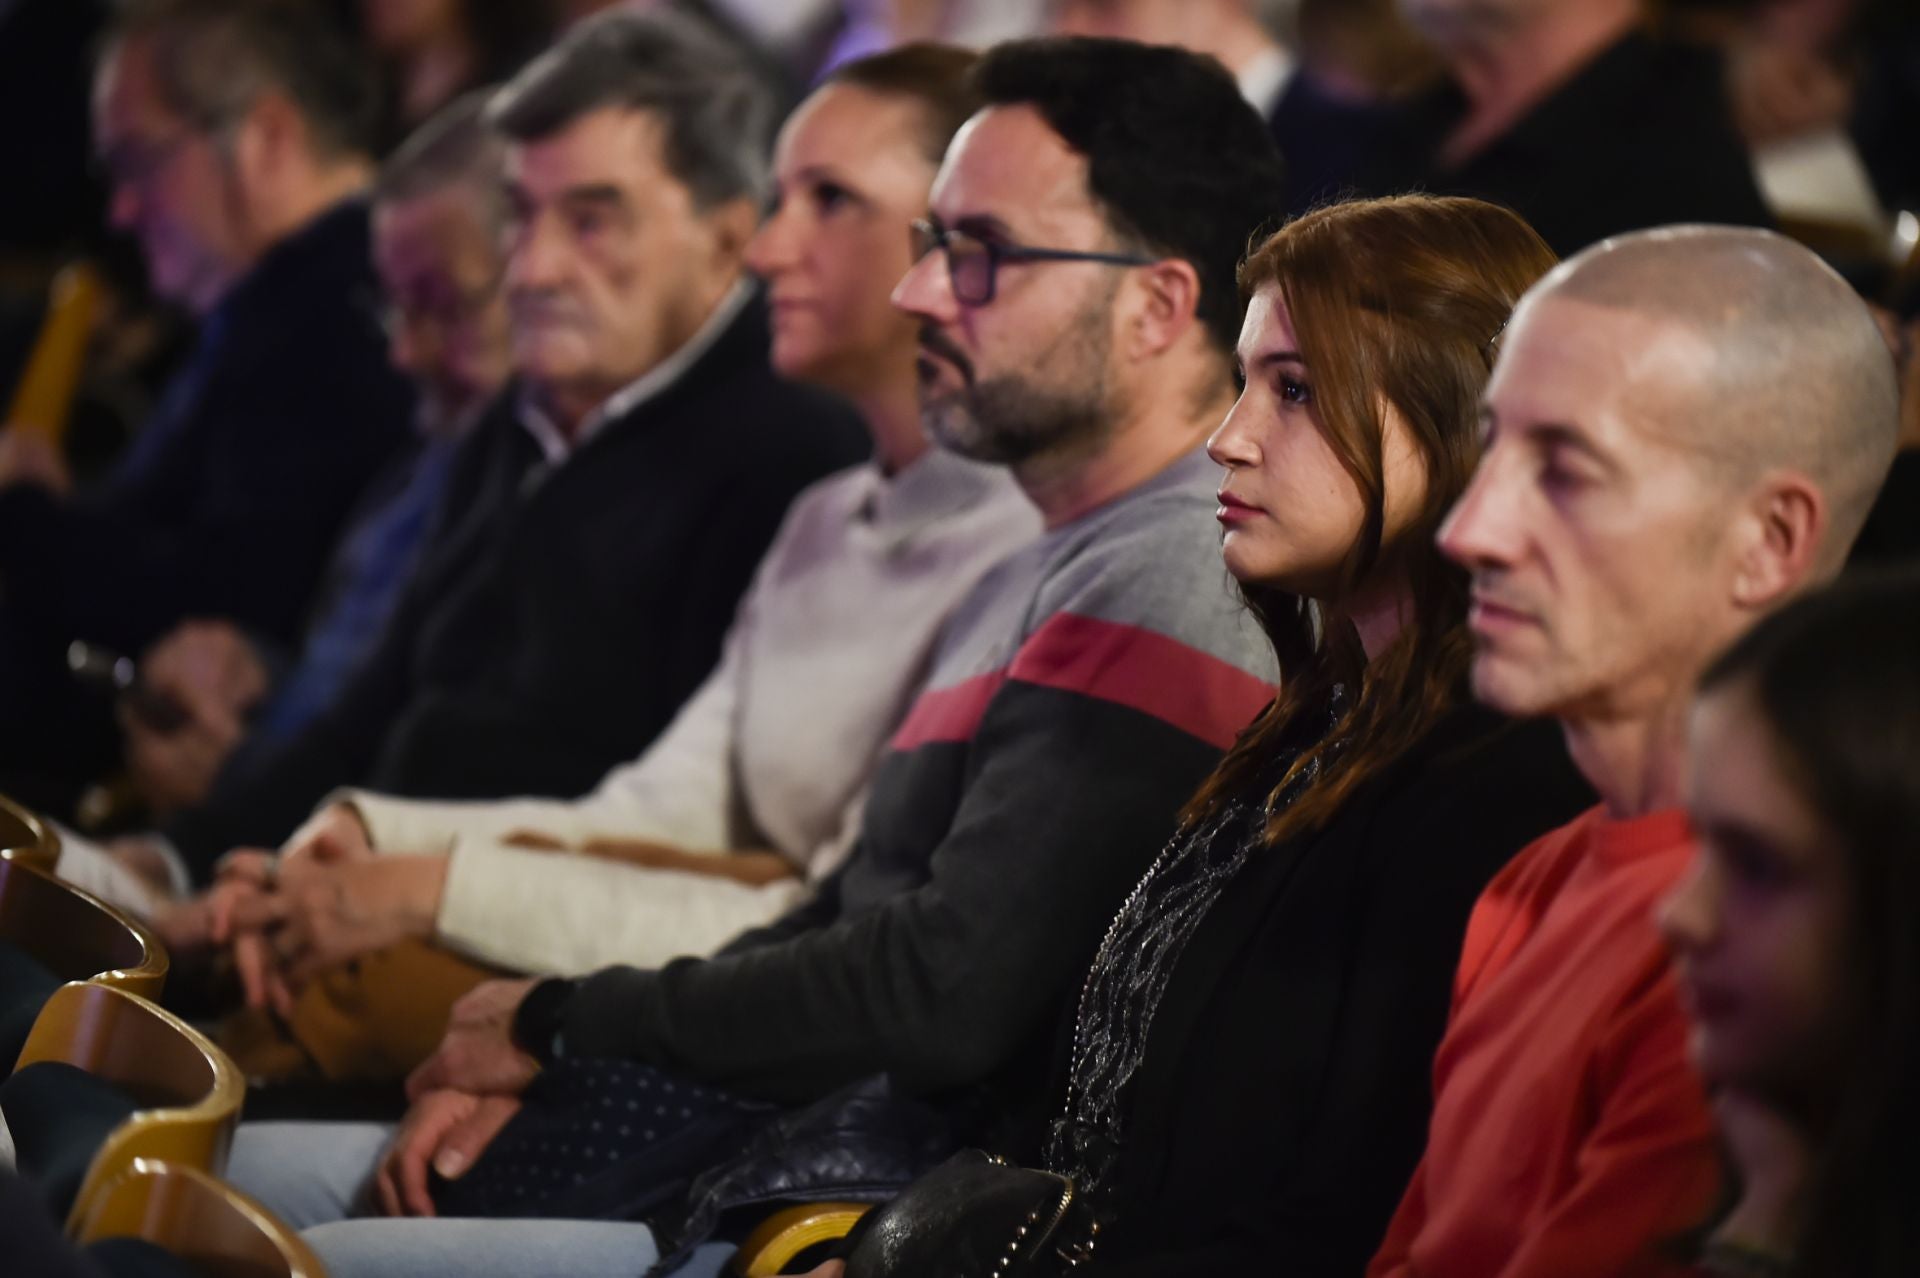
[864, 1143]
[977, 1216]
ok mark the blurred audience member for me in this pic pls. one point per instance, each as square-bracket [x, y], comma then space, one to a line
[1332, 113]
[1793, 936]
[1340, 114]
[871, 25]
[1568, 112]
[1229, 30]
[608, 511]
[1685, 428]
[758, 785]
[431, 51]
[232, 133]
[437, 217]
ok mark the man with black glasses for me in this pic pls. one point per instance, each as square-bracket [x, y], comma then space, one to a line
[1078, 322]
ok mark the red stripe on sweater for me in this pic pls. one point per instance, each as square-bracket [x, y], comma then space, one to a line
[1143, 670]
[948, 714]
[1128, 665]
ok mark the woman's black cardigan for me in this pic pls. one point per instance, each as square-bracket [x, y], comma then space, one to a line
[1284, 1097]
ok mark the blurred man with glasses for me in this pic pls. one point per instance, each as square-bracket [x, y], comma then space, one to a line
[232, 697]
[437, 221]
[232, 136]
[1078, 321]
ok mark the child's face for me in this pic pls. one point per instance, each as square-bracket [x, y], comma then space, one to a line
[1758, 928]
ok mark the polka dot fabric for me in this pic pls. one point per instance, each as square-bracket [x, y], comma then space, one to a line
[599, 1138]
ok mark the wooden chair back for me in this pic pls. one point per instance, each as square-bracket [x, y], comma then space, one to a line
[75, 934]
[43, 398]
[25, 837]
[189, 1090]
[205, 1222]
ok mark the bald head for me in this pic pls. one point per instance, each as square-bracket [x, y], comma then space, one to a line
[1791, 371]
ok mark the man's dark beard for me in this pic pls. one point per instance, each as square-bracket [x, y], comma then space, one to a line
[1010, 418]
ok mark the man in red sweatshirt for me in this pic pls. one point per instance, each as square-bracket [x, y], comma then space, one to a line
[1685, 427]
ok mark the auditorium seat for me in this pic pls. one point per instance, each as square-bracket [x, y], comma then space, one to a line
[106, 1078]
[196, 1220]
[51, 933]
[26, 838]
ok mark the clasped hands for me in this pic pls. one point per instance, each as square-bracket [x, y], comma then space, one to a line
[330, 898]
[324, 901]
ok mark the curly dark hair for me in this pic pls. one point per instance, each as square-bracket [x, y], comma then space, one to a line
[1176, 158]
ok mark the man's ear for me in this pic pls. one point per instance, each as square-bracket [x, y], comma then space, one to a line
[1784, 530]
[729, 227]
[267, 138]
[1169, 292]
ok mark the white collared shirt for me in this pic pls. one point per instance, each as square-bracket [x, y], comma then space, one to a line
[1264, 79]
[554, 444]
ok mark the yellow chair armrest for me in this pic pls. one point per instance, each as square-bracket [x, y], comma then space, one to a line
[773, 1244]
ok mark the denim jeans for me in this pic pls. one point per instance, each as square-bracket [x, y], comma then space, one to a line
[317, 1177]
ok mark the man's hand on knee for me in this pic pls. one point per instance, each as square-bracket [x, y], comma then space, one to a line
[478, 1054]
[400, 1186]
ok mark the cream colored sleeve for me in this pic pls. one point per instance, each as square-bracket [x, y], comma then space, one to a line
[677, 793]
[562, 913]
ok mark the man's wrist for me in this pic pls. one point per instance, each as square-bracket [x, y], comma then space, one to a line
[538, 1021]
[422, 881]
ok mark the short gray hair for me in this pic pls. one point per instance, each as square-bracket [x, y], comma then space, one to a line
[212, 59]
[456, 147]
[717, 115]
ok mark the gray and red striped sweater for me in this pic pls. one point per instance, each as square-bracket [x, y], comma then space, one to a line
[1076, 700]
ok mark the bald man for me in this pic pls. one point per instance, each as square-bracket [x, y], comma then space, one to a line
[1685, 428]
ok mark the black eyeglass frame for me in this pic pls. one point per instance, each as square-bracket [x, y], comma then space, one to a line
[928, 236]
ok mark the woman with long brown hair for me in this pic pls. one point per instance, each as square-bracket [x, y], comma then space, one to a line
[1247, 1081]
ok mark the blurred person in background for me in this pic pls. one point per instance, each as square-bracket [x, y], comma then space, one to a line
[1337, 121]
[1325, 74]
[868, 26]
[1570, 113]
[1229, 30]
[431, 51]
[235, 697]
[1793, 936]
[233, 135]
[438, 214]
